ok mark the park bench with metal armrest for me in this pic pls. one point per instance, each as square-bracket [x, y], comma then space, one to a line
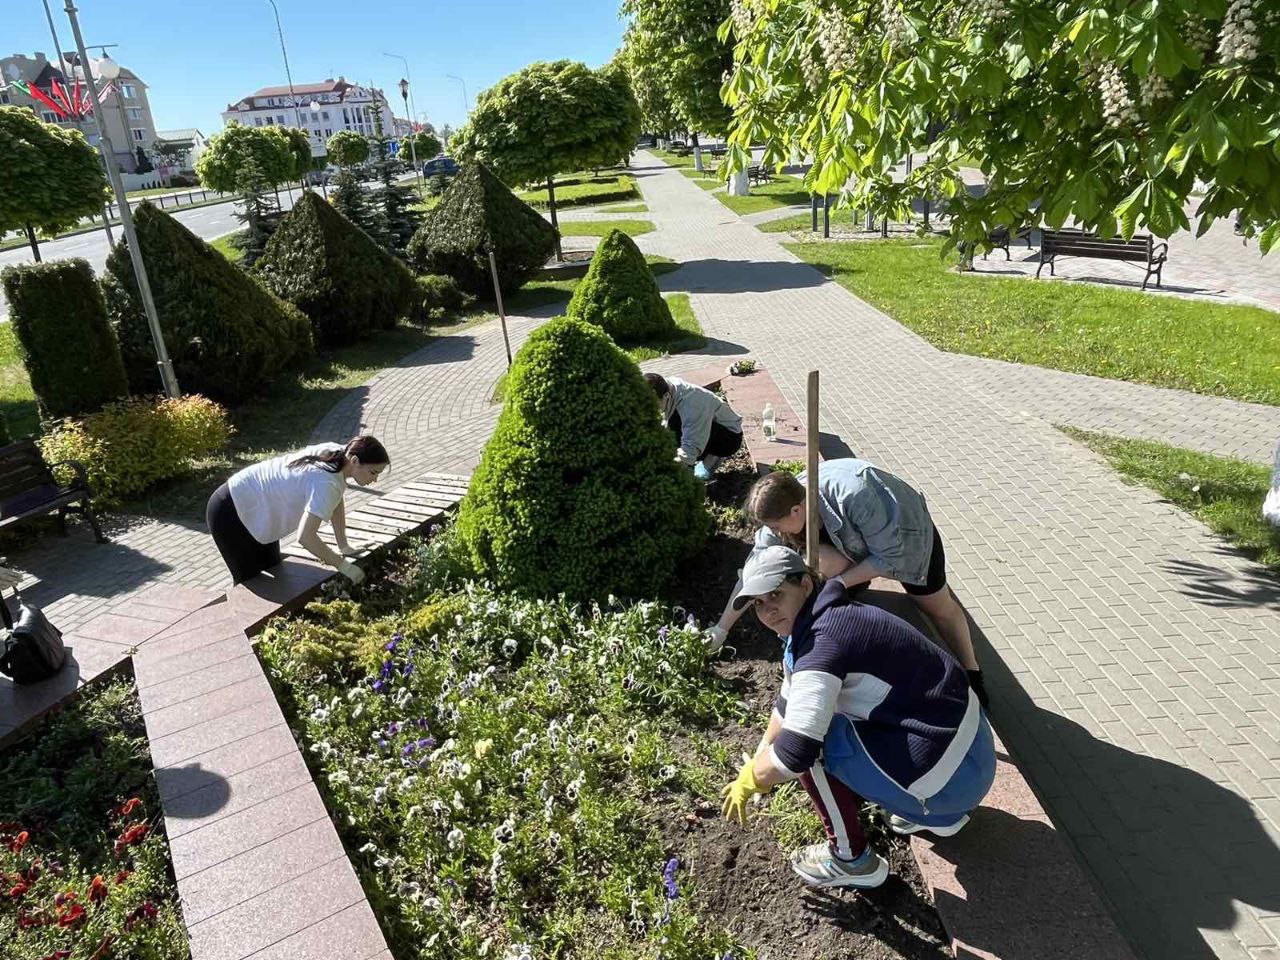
[1080, 243]
[28, 488]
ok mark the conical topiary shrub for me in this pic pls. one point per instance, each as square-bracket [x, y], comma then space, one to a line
[332, 271]
[226, 334]
[577, 491]
[620, 295]
[478, 212]
[64, 340]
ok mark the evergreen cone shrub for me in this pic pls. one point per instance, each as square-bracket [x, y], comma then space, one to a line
[577, 491]
[64, 339]
[335, 273]
[226, 334]
[476, 212]
[620, 294]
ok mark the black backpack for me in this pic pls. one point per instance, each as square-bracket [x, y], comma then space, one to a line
[33, 650]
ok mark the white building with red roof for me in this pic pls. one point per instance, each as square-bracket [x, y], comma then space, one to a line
[321, 109]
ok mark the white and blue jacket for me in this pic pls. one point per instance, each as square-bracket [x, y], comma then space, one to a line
[909, 708]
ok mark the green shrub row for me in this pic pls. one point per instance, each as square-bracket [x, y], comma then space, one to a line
[131, 444]
[620, 295]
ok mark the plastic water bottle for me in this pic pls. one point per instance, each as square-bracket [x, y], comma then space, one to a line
[767, 422]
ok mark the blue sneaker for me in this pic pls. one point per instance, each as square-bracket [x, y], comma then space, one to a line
[701, 472]
[817, 866]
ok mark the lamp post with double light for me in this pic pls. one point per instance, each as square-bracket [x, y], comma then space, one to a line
[110, 70]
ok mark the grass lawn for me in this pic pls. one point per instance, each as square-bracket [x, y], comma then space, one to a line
[1217, 349]
[156, 191]
[598, 228]
[801, 221]
[585, 189]
[225, 245]
[1226, 494]
[672, 160]
[783, 191]
[17, 402]
[625, 208]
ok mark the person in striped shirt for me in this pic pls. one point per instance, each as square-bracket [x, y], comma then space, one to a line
[869, 709]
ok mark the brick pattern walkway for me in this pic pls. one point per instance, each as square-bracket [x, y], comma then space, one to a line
[1135, 662]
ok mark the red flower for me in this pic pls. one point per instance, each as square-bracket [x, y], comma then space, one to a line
[130, 805]
[72, 916]
[135, 834]
[17, 890]
[147, 912]
[58, 955]
[123, 875]
[19, 842]
[27, 921]
[98, 889]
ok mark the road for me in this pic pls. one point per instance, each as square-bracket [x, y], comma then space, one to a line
[207, 223]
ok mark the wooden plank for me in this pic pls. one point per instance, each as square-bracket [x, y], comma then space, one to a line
[395, 511]
[451, 477]
[429, 509]
[444, 493]
[359, 521]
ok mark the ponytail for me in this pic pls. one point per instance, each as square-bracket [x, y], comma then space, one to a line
[368, 450]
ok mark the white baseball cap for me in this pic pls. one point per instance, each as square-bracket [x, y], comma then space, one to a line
[764, 572]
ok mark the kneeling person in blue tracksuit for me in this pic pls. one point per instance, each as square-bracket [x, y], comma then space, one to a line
[869, 709]
[706, 428]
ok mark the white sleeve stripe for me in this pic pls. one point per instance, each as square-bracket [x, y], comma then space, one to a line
[811, 703]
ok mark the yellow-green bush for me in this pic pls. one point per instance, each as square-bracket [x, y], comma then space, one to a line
[129, 445]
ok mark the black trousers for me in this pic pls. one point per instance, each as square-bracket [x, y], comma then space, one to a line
[722, 442]
[244, 556]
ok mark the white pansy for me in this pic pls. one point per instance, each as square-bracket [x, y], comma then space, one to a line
[454, 838]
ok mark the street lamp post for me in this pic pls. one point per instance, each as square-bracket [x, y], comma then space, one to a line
[293, 97]
[466, 101]
[110, 70]
[406, 91]
[413, 135]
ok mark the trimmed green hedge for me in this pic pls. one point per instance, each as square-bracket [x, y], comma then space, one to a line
[619, 294]
[436, 296]
[578, 491]
[475, 214]
[63, 336]
[227, 335]
[332, 271]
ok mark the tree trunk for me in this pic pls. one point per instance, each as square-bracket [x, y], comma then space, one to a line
[555, 224]
[35, 246]
[697, 154]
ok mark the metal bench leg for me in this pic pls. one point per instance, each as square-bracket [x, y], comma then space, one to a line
[93, 522]
[1043, 261]
[62, 521]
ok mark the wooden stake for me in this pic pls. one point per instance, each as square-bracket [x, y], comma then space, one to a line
[497, 295]
[812, 520]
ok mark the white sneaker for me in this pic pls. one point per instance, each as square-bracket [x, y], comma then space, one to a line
[903, 826]
[817, 866]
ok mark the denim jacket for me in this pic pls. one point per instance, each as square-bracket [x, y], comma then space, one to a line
[870, 513]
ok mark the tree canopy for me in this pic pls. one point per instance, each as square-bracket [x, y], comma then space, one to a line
[49, 177]
[550, 118]
[221, 166]
[426, 142]
[1114, 115]
[648, 77]
[347, 148]
[674, 49]
[297, 145]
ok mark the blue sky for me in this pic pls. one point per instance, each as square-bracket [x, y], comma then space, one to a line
[197, 57]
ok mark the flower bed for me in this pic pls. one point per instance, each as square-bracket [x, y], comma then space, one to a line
[84, 863]
[524, 778]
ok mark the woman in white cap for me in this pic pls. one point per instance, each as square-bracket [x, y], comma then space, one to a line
[869, 709]
[873, 524]
[261, 505]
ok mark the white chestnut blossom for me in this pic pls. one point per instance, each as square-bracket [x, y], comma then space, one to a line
[1117, 103]
[1238, 41]
[896, 30]
[1154, 88]
[838, 40]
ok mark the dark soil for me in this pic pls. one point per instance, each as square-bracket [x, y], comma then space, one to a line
[742, 875]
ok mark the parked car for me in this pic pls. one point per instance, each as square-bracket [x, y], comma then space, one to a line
[440, 166]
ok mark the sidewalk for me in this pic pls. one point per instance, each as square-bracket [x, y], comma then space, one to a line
[1136, 662]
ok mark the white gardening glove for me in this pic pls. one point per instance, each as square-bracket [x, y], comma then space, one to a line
[347, 550]
[9, 578]
[351, 571]
[715, 637]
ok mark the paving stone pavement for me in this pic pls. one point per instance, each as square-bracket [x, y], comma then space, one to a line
[1135, 661]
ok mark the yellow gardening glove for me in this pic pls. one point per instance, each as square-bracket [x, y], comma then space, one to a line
[737, 794]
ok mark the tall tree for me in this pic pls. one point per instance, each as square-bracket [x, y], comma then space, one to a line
[49, 177]
[446, 134]
[220, 166]
[548, 119]
[424, 141]
[260, 212]
[348, 148]
[648, 76]
[678, 41]
[398, 221]
[1108, 114]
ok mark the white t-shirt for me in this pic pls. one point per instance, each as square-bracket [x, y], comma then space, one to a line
[271, 498]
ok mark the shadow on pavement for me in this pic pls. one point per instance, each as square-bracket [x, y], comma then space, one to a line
[1220, 587]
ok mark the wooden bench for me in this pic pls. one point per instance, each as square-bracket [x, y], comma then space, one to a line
[1000, 237]
[1080, 243]
[28, 488]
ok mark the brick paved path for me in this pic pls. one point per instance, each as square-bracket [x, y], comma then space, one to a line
[1138, 670]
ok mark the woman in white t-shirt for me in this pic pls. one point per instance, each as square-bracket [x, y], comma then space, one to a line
[261, 505]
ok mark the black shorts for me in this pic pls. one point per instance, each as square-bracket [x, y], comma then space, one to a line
[722, 442]
[936, 578]
[244, 556]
